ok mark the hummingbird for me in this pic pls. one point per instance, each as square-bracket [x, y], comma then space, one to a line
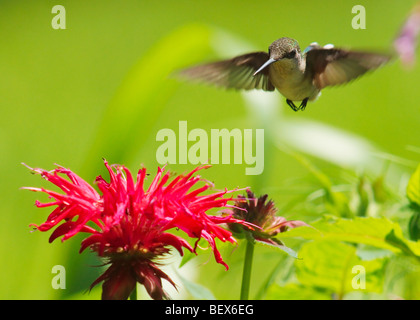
[298, 76]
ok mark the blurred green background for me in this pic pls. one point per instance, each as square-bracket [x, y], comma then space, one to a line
[102, 88]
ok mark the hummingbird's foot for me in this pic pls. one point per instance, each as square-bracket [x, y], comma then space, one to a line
[303, 104]
[292, 105]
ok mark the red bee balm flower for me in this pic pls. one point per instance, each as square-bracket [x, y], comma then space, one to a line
[129, 225]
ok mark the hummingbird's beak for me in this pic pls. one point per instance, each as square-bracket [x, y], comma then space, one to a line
[266, 64]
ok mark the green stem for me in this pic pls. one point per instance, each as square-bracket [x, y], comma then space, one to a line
[246, 276]
[133, 294]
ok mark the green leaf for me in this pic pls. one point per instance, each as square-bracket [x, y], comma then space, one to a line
[414, 223]
[377, 232]
[403, 277]
[411, 248]
[363, 197]
[413, 187]
[278, 245]
[335, 266]
[413, 194]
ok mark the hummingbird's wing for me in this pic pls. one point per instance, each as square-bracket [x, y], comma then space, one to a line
[233, 73]
[329, 67]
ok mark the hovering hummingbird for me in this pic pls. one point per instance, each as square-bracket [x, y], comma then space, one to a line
[299, 76]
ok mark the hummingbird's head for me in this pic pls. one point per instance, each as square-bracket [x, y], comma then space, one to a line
[284, 48]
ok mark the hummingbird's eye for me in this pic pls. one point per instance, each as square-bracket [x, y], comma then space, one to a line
[291, 54]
